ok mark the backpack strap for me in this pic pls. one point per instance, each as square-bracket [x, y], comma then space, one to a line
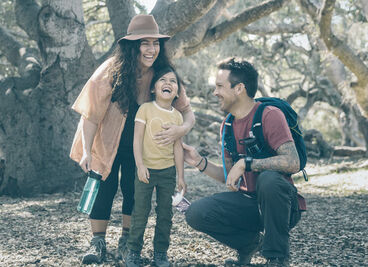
[257, 132]
[257, 127]
[229, 138]
[226, 131]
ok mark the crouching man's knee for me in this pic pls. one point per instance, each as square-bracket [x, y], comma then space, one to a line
[193, 216]
[267, 181]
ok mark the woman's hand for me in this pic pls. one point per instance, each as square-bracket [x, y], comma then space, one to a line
[85, 161]
[191, 156]
[170, 133]
[143, 174]
[234, 175]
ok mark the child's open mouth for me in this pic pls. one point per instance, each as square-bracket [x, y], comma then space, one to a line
[166, 90]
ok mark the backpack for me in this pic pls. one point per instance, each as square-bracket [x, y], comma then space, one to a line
[256, 145]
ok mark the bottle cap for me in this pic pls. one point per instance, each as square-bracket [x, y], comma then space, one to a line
[94, 175]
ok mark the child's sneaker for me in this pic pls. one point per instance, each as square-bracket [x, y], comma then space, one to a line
[133, 258]
[278, 262]
[122, 249]
[96, 252]
[160, 259]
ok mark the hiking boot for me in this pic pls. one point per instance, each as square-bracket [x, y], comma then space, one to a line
[277, 262]
[245, 254]
[133, 258]
[96, 252]
[122, 249]
[160, 259]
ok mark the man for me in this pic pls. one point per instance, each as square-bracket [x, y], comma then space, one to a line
[262, 196]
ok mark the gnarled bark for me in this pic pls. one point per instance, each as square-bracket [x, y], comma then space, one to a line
[37, 125]
[120, 13]
[26, 12]
[177, 16]
[221, 31]
[339, 48]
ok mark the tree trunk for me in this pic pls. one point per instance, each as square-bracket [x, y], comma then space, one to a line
[37, 125]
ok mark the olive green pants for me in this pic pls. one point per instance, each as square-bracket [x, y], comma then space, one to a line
[164, 181]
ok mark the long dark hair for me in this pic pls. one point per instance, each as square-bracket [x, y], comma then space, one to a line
[124, 71]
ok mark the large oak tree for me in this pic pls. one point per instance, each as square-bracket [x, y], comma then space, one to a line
[36, 123]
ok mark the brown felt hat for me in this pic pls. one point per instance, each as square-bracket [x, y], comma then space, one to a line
[143, 26]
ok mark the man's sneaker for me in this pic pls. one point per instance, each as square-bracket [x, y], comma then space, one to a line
[160, 259]
[277, 262]
[245, 254]
[96, 252]
[122, 249]
[133, 258]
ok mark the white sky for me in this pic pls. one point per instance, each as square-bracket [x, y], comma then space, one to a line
[149, 4]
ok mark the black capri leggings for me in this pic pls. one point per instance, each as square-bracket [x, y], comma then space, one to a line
[102, 207]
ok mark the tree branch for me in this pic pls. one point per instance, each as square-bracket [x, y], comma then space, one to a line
[263, 30]
[178, 15]
[120, 12]
[23, 58]
[160, 5]
[226, 28]
[26, 12]
[299, 93]
[340, 49]
[195, 33]
[9, 47]
[364, 7]
[20, 83]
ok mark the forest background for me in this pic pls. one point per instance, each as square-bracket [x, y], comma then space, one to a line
[313, 53]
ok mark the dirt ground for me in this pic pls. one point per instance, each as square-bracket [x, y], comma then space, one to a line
[47, 230]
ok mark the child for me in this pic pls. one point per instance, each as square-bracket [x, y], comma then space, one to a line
[156, 168]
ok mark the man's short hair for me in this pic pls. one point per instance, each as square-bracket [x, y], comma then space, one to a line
[241, 71]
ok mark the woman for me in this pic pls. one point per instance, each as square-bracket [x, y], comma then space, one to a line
[104, 138]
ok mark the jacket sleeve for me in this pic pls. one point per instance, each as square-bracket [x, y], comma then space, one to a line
[95, 97]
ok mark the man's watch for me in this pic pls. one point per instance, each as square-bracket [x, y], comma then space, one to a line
[248, 162]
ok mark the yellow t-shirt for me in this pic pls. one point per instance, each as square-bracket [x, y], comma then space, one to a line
[153, 116]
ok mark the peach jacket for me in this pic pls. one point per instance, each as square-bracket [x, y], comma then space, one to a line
[94, 104]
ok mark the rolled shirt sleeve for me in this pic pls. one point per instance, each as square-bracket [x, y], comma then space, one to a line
[95, 97]
[275, 128]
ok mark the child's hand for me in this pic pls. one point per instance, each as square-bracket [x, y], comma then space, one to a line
[182, 185]
[143, 174]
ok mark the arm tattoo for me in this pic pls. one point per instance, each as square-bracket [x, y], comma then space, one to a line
[286, 160]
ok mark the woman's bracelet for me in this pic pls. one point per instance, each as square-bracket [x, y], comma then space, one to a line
[199, 162]
[205, 165]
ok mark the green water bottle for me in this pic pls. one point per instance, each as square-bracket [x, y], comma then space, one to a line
[89, 193]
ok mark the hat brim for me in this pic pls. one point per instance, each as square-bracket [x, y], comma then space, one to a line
[134, 37]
